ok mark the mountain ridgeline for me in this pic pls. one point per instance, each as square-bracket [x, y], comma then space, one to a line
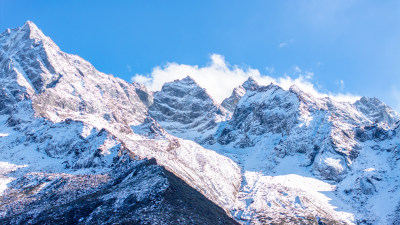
[78, 146]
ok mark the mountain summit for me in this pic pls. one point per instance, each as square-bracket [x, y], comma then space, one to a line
[250, 84]
[183, 106]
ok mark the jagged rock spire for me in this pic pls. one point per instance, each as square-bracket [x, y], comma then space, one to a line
[250, 84]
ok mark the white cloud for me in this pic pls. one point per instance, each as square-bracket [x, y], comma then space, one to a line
[286, 43]
[341, 85]
[297, 69]
[309, 75]
[143, 80]
[129, 68]
[283, 44]
[270, 69]
[395, 94]
[219, 78]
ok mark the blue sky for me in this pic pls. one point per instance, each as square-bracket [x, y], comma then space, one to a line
[348, 46]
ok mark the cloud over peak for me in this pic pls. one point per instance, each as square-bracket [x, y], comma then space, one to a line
[219, 78]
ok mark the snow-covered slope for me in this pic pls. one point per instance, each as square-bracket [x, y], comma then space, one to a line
[71, 172]
[295, 145]
[79, 144]
[292, 146]
[61, 177]
[64, 120]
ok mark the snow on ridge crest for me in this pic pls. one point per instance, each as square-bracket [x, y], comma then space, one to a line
[250, 84]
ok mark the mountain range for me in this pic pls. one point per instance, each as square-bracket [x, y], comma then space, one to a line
[78, 146]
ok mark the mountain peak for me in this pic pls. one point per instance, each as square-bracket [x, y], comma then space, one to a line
[25, 50]
[31, 25]
[188, 80]
[185, 84]
[30, 28]
[368, 99]
[250, 84]
[231, 102]
[377, 111]
[184, 105]
[28, 35]
[295, 89]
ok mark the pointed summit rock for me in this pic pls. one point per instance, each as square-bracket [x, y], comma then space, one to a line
[188, 79]
[231, 102]
[377, 111]
[27, 36]
[293, 88]
[31, 28]
[183, 105]
[61, 85]
[26, 56]
[250, 84]
[185, 83]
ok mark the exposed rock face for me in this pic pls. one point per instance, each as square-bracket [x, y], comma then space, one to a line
[320, 128]
[138, 192]
[270, 126]
[63, 85]
[231, 102]
[377, 112]
[183, 108]
[250, 84]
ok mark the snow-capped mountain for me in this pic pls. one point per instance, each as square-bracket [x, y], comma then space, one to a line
[68, 131]
[275, 133]
[83, 147]
[66, 86]
[377, 112]
[291, 146]
[185, 109]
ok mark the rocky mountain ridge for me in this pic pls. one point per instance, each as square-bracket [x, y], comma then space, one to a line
[317, 137]
[265, 155]
[62, 118]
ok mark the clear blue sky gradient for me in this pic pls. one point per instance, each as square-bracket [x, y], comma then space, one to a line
[354, 41]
